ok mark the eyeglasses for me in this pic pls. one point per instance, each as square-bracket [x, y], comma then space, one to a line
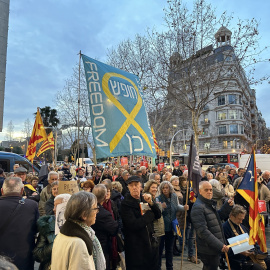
[96, 209]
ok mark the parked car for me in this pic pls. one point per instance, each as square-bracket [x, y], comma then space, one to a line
[8, 159]
[222, 165]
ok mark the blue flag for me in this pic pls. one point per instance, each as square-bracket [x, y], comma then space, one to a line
[119, 121]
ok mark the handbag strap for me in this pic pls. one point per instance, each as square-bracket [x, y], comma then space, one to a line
[20, 203]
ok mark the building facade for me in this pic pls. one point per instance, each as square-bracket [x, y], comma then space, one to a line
[4, 16]
[230, 122]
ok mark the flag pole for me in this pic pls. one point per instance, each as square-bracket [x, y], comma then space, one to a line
[185, 220]
[79, 101]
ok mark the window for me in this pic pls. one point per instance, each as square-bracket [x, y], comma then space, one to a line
[233, 129]
[221, 100]
[222, 130]
[232, 114]
[232, 99]
[240, 114]
[242, 129]
[240, 100]
[221, 116]
[225, 144]
[205, 131]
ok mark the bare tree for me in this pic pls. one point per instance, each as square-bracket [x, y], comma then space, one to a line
[67, 107]
[10, 131]
[27, 128]
[179, 68]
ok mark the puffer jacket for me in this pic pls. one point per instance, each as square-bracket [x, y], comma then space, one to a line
[43, 250]
[207, 223]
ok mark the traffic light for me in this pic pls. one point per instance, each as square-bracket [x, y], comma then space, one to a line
[168, 153]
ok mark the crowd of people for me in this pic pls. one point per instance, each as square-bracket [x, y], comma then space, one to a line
[124, 217]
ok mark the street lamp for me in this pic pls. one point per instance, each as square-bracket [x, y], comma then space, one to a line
[172, 142]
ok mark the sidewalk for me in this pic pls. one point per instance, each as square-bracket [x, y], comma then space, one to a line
[186, 264]
[190, 266]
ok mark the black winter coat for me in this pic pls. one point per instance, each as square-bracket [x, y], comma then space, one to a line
[49, 205]
[28, 193]
[18, 239]
[207, 223]
[105, 227]
[138, 230]
[43, 250]
[124, 185]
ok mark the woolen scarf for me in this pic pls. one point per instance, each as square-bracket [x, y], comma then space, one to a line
[98, 256]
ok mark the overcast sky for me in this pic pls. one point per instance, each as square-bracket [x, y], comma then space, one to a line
[45, 37]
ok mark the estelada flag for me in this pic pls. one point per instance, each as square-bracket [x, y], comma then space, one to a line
[248, 189]
[155, 140]
[38, 135]
[48, 144]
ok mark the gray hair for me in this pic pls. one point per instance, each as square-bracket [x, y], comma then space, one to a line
[65, 197]
[80, 205]
[107, 183]
[163, 183]
[52, 173]
[204, 182]
[5, 264]
[100, 192]
[174, 177]
[55, 183]
[215, 183]
[152, 176]
[238, 209]
[124, 173]
[12, 184]
[185, 174]
[142, 168]
[117, 186]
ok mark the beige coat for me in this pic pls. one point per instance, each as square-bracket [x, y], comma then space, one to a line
[229, 190]
[264, 192]
[70, 253]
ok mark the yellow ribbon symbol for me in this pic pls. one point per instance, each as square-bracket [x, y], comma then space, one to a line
[129, 117]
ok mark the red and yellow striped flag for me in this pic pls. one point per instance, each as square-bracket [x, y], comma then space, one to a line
[155, 140]
[48, 144]
[248, 189]
[38, 135]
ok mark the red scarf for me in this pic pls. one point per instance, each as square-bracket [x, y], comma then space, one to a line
[114, 254]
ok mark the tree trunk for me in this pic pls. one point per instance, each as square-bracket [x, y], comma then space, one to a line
[195, 125]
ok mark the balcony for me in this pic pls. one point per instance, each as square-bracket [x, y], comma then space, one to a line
[205, 122]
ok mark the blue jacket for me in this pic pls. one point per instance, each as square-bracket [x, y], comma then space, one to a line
[169, 213]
